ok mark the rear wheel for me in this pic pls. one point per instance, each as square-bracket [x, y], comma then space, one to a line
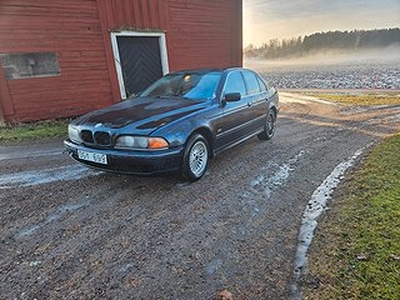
[269, 126]
[196, 158]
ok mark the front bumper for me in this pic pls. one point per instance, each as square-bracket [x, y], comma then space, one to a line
[131, 162]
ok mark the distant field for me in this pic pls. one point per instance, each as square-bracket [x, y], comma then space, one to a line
[363, 74]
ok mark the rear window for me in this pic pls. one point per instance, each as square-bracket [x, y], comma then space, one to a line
[251, 82]
[262, 85]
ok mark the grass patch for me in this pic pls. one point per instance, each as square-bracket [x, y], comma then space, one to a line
[360, 98]
[356, 250]
[33, 131]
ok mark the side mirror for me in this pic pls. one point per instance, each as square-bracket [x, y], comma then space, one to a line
[230, 97]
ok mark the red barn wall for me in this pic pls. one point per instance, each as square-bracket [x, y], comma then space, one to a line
[72, 30]
[204, 32]
[199, 33]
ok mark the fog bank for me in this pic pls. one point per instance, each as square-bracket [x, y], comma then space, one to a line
[330, 57]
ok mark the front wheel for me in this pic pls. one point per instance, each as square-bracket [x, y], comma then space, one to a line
[269, 126]
[195, 158]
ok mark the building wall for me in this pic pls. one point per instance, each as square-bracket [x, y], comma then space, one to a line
[72, 30]
[199, 33]
[204, 32]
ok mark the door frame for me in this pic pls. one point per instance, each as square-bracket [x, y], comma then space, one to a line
[114, 42]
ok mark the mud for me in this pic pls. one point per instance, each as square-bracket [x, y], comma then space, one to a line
[68, 232]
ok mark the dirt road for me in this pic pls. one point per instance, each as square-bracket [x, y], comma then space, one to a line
[71, 233]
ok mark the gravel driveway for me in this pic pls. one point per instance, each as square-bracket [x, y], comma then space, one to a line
[72, 233]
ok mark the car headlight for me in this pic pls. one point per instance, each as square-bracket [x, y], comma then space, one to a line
[73, 134]
[140, 142]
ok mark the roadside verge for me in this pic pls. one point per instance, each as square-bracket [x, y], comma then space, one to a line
[355, 253]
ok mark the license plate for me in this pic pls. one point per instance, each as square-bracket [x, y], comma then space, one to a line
[93, 157]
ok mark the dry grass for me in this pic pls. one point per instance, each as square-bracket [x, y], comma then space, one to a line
[33, 131]
[360, 98]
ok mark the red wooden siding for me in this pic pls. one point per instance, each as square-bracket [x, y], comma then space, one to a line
[136, 14]
[72, 30]
[199, 33]
[129, 15]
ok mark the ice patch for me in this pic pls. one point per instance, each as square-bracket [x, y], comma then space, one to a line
[30, 178]
[267, 184]
[315, 207]
[303, 99]
[126, 268]
[394, 118]
[67, 208]
[7, 155]
[213, 267]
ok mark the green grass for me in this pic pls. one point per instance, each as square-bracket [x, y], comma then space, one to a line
[356, 250]
[360, 98]
[33, 131]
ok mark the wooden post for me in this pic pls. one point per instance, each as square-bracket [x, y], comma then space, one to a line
[6, 103]
[3, 91]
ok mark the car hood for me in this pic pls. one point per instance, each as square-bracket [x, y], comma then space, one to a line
[141, 113]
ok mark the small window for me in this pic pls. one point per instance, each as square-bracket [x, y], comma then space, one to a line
[235, 84]
[30, 65]
[252, 83]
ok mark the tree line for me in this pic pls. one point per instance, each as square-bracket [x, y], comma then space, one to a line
[321, 41]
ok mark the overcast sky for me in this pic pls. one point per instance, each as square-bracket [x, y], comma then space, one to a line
[269, 19]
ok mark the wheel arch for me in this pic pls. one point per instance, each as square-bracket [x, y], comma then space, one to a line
[207, 134]
[274, 109]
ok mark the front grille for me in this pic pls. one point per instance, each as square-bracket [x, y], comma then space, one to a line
[87, 136]
[96, 138]
[102, 138]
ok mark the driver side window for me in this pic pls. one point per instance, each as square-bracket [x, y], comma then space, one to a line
[235, 84]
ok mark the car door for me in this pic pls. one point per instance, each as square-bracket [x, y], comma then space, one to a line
[230, 126]
[256, 100]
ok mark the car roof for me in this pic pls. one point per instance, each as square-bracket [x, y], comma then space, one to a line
[198, 71]
[208, 70]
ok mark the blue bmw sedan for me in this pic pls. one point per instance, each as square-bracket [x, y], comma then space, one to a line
[177, 124]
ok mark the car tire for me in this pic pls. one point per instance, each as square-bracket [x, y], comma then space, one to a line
[195, 158]
[269, 126]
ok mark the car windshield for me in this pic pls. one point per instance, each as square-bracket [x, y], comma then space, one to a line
[198, 86]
